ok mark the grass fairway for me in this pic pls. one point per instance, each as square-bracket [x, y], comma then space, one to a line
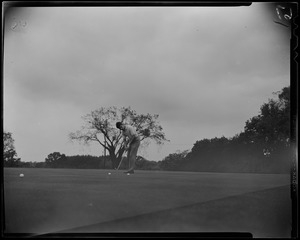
[91, 201]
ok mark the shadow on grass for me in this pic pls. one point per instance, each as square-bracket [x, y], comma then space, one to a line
[263, 214]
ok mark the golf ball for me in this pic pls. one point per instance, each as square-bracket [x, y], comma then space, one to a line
[109, 173]
[21, 175]
[128, 173]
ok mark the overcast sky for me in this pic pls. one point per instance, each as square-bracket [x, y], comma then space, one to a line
[204, 70]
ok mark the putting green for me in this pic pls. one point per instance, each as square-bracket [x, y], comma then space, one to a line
[63, 200]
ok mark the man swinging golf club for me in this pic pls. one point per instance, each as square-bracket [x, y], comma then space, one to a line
[132, 143]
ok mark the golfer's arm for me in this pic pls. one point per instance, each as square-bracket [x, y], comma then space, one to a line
[130, 139]
[127, 141]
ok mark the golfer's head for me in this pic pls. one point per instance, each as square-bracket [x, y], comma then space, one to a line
[120, 125]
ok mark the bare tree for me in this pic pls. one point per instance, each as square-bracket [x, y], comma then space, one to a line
[100, 126]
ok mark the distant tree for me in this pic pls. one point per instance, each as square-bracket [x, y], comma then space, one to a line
[84, 162]
[9, 153]
[99, 126]
[200, 149]
[271, 128]
[263, 146]
[53, 159]
[39, 164]
[144, 164]
[173, 161]
[8, 141]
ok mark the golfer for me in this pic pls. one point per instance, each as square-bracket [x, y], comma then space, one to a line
[132, 143]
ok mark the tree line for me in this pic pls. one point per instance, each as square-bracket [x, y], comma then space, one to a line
[263, 147]
[60, 160]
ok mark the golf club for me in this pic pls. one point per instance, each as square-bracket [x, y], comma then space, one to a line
[120, 162]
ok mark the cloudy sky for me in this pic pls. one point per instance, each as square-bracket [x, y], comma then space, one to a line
[204, 70]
